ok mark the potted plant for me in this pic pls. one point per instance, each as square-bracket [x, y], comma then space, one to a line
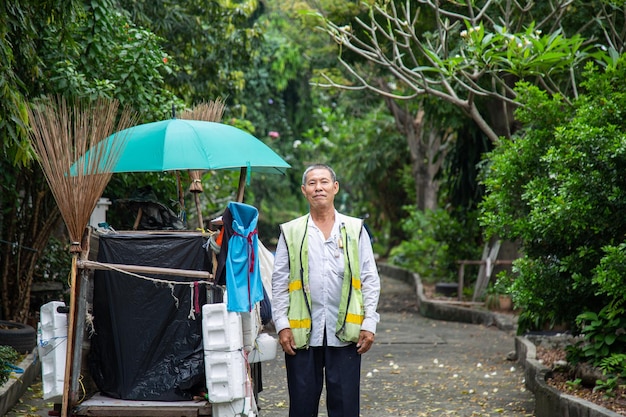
[497, 296]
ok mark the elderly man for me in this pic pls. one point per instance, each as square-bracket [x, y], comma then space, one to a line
[325, 294]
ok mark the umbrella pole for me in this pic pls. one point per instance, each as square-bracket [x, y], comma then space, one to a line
[181, 195]
[242, 183]
[199, 211]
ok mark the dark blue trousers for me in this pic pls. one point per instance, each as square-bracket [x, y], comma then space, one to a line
[340, 367]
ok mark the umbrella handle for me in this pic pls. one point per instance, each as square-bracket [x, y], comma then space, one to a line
[181, 195]
[242, 184]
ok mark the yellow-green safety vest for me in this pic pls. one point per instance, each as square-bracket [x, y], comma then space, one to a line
[351, 310]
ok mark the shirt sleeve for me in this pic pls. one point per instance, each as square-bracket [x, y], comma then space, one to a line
[370, 282]
[280, 286]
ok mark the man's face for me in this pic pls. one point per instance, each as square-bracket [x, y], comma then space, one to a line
[319, 188]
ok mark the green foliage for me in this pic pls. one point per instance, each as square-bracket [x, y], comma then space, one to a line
[210, 44]
[539, 287]
[21, 67]
[55, 264]
[575, 384]
[524, 54]
[8, 356]
[436, 240]
[557, 189]
[603, 346]
[359, 139]
[71, 48]
[614, 364]
[110, 56]
[614, 368]
[604, 335]
[608, 386]
[610, 275]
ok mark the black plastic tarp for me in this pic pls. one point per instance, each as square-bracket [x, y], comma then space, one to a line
[145, 346]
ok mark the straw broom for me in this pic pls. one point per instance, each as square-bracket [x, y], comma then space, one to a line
[61, 135]
[208, 112]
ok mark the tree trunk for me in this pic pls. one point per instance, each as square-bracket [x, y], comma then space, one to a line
[425, 146]
[31, 215]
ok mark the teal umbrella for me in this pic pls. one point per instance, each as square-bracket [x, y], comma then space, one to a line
[178, 144]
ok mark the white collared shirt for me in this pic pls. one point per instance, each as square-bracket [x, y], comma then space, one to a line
[326, 268]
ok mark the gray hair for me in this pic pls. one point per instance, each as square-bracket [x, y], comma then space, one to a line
[333, 176]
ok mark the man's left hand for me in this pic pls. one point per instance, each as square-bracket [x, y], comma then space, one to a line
[366, 340]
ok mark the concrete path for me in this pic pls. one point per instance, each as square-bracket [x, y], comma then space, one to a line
[423, 367]
[417, 367]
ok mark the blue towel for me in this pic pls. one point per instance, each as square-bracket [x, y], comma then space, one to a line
[243, 276]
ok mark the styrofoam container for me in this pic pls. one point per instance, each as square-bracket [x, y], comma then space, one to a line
[239, 407]
[225, 375]
[264, 349]
[221, 329]
[50, 318]
[52, 347]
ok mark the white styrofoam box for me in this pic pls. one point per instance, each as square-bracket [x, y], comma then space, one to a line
[238, 407]
[251, 325]
[221, 329]
[52, 347]
[99, 214]
[264, 349]
[50, 318]
[225, 375]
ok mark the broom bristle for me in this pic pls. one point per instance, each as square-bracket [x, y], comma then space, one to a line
[211, 111]
[61, 135]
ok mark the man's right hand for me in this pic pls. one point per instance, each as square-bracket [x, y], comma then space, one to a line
[285, 338]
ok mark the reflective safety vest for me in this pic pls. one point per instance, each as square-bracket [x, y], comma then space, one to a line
[351, 310]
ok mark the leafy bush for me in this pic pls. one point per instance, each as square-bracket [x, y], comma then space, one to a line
[603, 345]
[604, 335]
[557, 188]
[436, 241]
[8, 357]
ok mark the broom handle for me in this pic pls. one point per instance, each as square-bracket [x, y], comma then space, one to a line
[146, 269]
[68, 395]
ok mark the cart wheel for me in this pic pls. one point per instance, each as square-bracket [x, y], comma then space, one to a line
[21, 337]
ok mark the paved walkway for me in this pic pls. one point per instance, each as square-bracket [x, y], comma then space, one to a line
[422, 367]
[417, 367]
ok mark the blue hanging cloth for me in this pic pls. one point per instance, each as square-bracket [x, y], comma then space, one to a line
[243, 276]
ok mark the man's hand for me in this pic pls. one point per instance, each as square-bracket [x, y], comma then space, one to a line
[285, 338]
[366, 340]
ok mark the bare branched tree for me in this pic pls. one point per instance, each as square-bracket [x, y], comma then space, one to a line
[470, 52]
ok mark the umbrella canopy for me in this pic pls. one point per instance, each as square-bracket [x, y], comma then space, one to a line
[177, 144]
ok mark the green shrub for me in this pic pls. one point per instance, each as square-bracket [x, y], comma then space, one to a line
[558, 189]
[437, 240]
[603, 345]
[8, 357]
[604, 335]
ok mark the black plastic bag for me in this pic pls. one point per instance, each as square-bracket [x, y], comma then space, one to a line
[145, 346]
